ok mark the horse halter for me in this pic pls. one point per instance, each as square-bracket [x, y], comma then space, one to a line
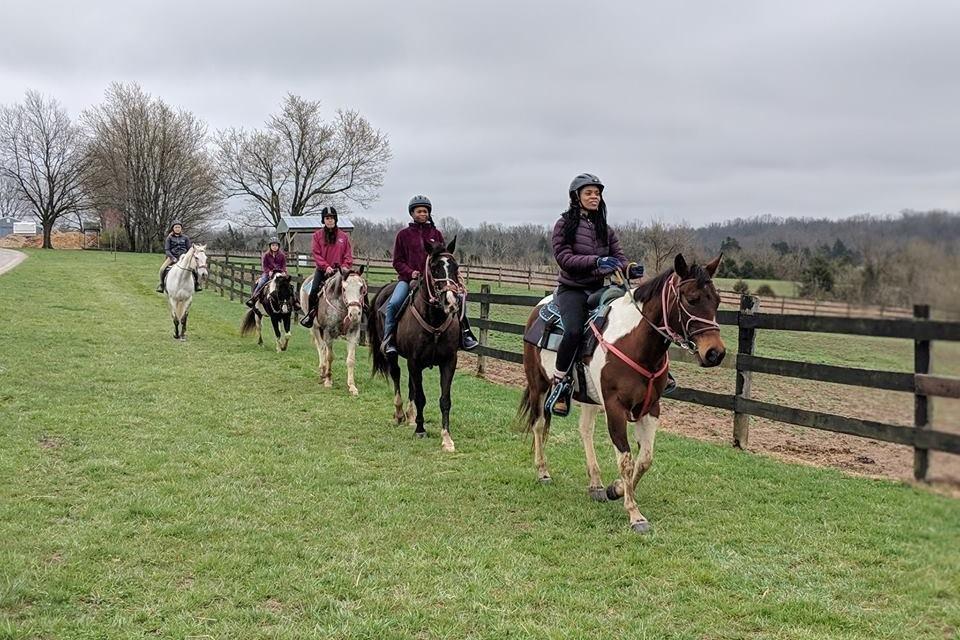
[685, 341]
[450, 284]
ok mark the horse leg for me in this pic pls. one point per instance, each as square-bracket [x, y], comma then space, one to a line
[617, 426]
[411, 413]
[447, 369]
[183, 325]
[259, 320]
[286, 332]
[321, 346]
[645, 431]
[541, 430]
[351, 362]
[398, 413]
[417, 395]
[588, 421]
[329, 381]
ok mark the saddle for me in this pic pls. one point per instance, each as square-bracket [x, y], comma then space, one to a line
[382, 310]
[547, 330]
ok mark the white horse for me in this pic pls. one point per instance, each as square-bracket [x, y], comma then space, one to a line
[339, 311]
[178, 284]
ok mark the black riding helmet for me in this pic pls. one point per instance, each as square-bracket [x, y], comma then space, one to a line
[329, 212]
[273, 240]
[419, 201]
[584, 180]
[175, 223]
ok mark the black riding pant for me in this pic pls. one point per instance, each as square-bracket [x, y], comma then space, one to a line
[572, 302]
[316, 286]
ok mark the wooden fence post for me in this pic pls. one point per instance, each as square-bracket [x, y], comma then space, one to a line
[529, 278]
[922, 405]
[745, 344]
[233, 279]
[484, 332]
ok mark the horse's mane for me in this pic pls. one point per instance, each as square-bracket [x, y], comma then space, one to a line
[333, 282]
[649, 289]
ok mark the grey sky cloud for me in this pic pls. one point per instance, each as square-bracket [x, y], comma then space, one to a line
[695, 111]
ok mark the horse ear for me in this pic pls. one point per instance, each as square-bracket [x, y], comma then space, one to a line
[680, 266]
[453, 245]
[360, 270]
[713, 264]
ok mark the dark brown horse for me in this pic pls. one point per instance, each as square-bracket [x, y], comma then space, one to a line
[626, 373]
[428, 335]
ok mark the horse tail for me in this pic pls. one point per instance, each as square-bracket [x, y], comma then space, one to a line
[381, 366]
[249, 323]
[529, 410]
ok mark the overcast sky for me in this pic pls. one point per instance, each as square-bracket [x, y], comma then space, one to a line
[697, 111]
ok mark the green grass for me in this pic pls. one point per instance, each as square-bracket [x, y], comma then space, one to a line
[212, 489]
[783, 288]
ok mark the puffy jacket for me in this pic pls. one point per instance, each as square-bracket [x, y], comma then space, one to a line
[175, 246]
[338, 253]
[410, 248]
[578, 261]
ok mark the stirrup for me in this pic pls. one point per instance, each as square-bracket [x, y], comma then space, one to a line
[387, 347]
[468, 341]
[671, 385]
[307, 321]
[558, 401]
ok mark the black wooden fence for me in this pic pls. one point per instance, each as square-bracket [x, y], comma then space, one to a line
[236, 278]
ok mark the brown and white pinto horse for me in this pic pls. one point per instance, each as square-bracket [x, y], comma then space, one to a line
[627, 372]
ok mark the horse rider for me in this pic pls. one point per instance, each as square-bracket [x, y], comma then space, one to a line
[175, 245]
[331, 250]
[272, 262]
[409, 256]
[587, 250]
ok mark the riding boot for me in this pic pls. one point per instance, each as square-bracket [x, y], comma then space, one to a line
[671, 384]
[160, 287]
[468, 341]
[388, 346]
[251, 301]
[307, 320]
[558, 400]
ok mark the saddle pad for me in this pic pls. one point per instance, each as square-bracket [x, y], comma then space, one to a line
[546, 331]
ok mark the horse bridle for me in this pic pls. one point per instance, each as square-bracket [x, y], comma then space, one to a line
[685, 341]
[450, 284]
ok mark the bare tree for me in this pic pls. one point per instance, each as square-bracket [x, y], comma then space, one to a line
[42, 153]
[298, 163]
[12, 202]
[151, 163]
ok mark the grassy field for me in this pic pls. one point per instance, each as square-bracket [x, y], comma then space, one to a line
[212, 489]
[780, 287]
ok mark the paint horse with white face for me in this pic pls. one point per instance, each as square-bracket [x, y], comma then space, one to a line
[179, 287]
[276, 300]
[339, 315]
[626, 372]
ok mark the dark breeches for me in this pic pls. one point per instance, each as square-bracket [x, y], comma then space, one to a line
[572, 302]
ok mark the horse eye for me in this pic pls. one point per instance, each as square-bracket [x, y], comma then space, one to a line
[694, 299]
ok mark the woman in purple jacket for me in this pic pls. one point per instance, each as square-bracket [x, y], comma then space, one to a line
[587, 250]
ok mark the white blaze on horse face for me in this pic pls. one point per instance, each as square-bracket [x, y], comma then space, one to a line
[353, 287]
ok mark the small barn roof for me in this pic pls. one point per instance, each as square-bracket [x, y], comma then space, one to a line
[304, 224]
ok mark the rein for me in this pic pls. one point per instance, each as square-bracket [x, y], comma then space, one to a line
[451, 285]
[650, 376]
[345, 324]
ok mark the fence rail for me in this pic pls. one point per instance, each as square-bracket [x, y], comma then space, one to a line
[538, 277]
[235, 278]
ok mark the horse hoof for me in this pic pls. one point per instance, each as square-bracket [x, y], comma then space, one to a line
[544, 479]
[640, 526]
[354, 392]
[612, 494]
[420, 434]
[598, 493]
[448, 448]
[327, 384]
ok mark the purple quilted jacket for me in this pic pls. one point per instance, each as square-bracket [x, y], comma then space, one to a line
[578, 262]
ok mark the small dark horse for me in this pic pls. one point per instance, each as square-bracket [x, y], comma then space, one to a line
[276, 300]
[428, 335]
